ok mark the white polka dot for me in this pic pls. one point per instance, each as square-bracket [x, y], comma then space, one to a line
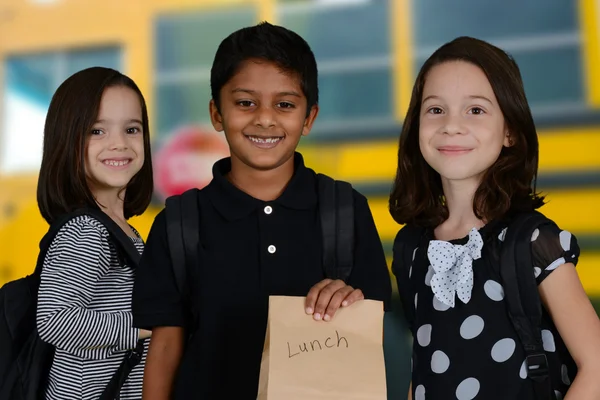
[558, 395]
[503, 350]
[502, 234]
[429, 275]
[494, 290]
[438, 305]
[523, 371]
[410, 272]
[471, 327]
[440, 362]
[420, 392]
[416, 299]
[564, 373]
[415, 253]
[424, 335]
[565, 240]
[535, 235]
[468, 389]
[556, 264]
[548, 340]
[537, 271]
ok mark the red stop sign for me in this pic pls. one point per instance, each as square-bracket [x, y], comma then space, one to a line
[186, 160]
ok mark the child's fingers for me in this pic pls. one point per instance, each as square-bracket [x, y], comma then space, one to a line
[355, 296]
[336, 301]
[313, 295]
[325, 296]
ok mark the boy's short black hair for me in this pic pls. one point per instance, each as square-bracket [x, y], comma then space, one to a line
[270, 43]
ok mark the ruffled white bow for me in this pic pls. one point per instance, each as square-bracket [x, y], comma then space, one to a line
[453, 267]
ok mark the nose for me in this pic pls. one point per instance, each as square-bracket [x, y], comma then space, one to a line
[118, 141]
[453, 125]
[264, 117]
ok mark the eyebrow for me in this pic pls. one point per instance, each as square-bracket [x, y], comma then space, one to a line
[473, 97]
[137, 121]
[249, 91]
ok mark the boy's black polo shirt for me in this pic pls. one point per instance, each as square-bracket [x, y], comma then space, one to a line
[252, 249]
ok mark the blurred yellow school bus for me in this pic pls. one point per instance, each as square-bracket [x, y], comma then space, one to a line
[368, 52]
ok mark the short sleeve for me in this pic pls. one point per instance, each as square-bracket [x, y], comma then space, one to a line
[156, 299]
[552, 247]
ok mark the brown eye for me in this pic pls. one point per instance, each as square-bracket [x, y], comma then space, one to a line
[245, 103]
[285, 104]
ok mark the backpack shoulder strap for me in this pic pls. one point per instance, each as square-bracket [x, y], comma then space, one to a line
[120, 238]
[522, 297]
[124, 244]
[407, 240]
[336, 209]
[183, 234]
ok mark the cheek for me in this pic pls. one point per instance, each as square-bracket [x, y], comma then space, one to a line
[138, 144]
[425, 135]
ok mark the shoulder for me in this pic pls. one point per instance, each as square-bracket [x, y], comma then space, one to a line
[82, 238]
[408, 236]
[83, 228]
[552, 246]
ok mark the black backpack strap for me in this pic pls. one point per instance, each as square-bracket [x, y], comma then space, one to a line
[336, 209]
[120, 238]
[132, 358]
[523, 299]
[407, 240]
[174, 217]
[123, 243]
[183, 233]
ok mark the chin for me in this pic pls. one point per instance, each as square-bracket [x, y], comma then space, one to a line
[267, 161]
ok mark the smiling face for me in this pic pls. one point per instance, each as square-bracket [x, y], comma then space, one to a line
[462, 129]
[115, 144]
[263, 112]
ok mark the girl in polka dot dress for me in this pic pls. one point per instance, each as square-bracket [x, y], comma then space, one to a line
[467, 158]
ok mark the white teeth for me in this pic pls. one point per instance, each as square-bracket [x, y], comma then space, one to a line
[113, 163]
[264, 140]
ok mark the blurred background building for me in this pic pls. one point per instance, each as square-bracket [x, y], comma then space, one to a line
[368, 53]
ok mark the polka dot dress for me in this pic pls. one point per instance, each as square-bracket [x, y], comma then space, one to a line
[471, 351]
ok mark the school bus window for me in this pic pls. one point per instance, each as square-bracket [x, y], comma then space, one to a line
[547, 49]
[351, 41]
[182, 102]
[30, 81]
[184, 50]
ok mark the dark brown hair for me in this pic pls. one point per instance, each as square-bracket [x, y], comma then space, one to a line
[62, 185]
[508, 186]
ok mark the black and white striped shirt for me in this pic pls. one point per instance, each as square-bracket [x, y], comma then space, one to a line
[84, 310]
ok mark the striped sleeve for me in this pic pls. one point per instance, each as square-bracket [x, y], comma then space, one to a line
[78, 258]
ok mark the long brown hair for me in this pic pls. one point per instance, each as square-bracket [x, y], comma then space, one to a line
[62, 185]
[508, 185]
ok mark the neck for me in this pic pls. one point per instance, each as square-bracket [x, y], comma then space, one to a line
[263, 185]
[112, 203]
[459, 200]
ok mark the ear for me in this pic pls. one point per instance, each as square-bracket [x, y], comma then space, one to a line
[215, 116]
[309, 121]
